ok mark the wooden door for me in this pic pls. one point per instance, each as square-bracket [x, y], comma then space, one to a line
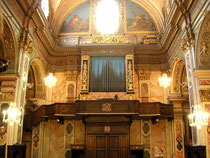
[107, 146]
[113, 146]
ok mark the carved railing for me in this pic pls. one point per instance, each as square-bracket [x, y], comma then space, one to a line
[98, 107]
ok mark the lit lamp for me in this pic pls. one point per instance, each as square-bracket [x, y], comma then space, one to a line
[164, 81]
[50, 80]
[107, 17]
[198, 118]
[12, 115]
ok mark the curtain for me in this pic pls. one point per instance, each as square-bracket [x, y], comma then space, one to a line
[107, 74]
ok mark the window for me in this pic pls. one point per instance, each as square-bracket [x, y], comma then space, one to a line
[45, 7]
[107, 74]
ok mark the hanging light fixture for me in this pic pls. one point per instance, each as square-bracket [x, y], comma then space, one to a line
[164, 81]
[50, 80]
[198, 118]
[12, 115]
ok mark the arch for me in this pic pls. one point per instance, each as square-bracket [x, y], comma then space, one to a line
[9, 46]
[36, 76]
[203, 44]
[67, 6]
[179, 78]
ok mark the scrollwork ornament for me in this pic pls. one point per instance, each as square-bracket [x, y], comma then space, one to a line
[85, 76]
[130, 75]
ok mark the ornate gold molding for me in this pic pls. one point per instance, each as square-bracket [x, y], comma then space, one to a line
[109, 39]
[84, 75]
[144, 74]
[26, 45]
[9, 77]
[71, 75]
[187, 42]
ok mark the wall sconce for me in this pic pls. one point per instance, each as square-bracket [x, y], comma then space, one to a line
[50, 80]
[12, 115]
[164, 81]
[198, 118]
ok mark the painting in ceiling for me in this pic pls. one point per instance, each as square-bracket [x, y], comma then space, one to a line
[137, 19]
[78, 20]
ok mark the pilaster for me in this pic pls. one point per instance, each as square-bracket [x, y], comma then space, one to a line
[85, 77]
[129, 75]
[178, 126]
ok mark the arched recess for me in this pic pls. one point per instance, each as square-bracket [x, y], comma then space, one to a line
[9, 47]
[179, 78]
[203, 44]
[67, 6]
[179, 90]
[36, 87]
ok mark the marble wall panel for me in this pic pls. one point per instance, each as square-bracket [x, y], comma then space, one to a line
[59, 91]
[135, 133]
[57, 148]
[79, 132]
[156, 92]
[69, 133]
[207, 109]
[158, 137]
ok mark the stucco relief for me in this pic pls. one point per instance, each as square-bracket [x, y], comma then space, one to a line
[203, 43]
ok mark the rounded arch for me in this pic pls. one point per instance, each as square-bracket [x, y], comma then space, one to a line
[36, 76]
[67, 6]
[179, 78]
[9, 46]
[203, 44]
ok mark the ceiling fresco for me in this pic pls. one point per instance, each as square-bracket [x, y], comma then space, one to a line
[78, 20]
[134, 19]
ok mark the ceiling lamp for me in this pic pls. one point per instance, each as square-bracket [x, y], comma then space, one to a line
[164, 81]
[107, 17]
[12, 115]
[50, 80]
[198, 118]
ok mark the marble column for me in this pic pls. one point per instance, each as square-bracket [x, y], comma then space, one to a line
[188, 49]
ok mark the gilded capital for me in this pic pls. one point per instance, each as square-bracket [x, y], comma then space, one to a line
[71, 75]
[144, 74]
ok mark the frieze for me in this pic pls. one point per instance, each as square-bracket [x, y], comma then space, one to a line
[146, 39]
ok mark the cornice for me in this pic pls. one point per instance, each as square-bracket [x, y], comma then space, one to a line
[9, 77]
[202, 74]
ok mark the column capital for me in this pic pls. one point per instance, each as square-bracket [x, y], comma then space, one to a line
[71, 75]
[144, 74]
